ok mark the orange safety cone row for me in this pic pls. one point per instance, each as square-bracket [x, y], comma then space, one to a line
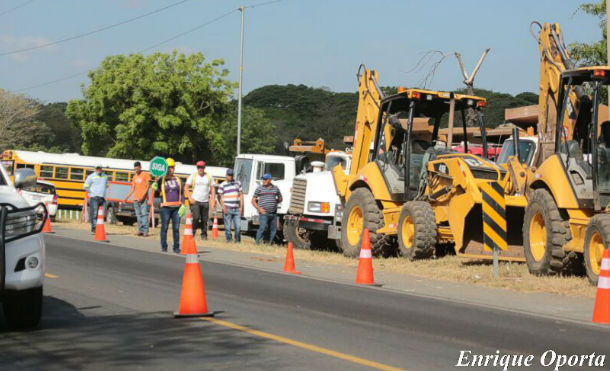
[188, 241]
[601, 310]
[364, 276]
[192, 296]
[100, 231]
[289, 263]
[46, 228]
[215, 228]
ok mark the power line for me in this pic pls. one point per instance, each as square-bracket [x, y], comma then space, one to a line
[176, 36]
[74, 37]
[16, 7]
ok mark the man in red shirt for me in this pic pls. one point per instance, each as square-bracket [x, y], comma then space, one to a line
[140, 185]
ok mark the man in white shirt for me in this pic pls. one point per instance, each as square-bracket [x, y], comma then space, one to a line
[200, 190]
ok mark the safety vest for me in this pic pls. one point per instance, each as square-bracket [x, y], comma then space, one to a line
[163, 199]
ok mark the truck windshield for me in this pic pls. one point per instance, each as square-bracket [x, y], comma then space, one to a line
[332, 161]
[243, 173]
[526, 151]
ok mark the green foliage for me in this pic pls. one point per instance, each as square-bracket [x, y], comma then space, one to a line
[162, 104]
[63, 136]
[497, 102]
[593, 54]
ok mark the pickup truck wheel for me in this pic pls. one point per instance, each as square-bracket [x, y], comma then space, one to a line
[362, 211]
[24, 309]
[298, 236]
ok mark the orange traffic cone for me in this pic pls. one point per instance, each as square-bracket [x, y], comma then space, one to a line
[46, 228]
[188, 241]
[215, 228]
[100, 231]
[364, 275]
[289, 264]
[192, 297]
[601, 310]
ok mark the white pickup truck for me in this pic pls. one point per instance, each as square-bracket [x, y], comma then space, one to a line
[314, 215]
[22, 252]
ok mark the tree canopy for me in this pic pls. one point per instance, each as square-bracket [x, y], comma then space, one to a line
[164, 104]
[594, 54]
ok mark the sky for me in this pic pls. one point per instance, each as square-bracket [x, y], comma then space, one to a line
[318, 43]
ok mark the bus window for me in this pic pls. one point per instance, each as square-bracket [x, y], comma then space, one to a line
[121, 176]
[89, 172]
[110, 175]
[61, 172]
[25, 166]
[46, 171]
[76, 173]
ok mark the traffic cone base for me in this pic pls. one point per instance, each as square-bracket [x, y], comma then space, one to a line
[192, 296]
[601, 310]
[289, 263]
[100, 231]
[215, 228]
[364, 275]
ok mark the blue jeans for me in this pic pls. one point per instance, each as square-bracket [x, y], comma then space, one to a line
[233, 217]
[264, 220]
[141, 209]
[168, 213]
[94, 205]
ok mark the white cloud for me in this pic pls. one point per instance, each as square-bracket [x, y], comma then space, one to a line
[9, 43]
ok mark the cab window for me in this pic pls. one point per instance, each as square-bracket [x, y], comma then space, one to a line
[46, 171]
[275, 169]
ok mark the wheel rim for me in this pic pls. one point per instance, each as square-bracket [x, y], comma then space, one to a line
[596, 251]
[355, 224]
[408, 231]
[538, 237]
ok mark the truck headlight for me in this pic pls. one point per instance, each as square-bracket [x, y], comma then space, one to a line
[318, 207]
[23, 222]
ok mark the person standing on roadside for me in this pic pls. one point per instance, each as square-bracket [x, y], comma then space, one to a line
[266, 198]
[170, 189]
[96, 186]
[232, 201]
[140, 184]
[200, 190]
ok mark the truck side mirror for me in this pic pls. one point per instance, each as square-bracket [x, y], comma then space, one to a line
[25, 177]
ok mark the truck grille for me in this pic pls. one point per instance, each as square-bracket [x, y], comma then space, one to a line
[297, 200]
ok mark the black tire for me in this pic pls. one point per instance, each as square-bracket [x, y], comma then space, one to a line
[52, 217]
[422, 243]
[23, 309]
[542, 211]
[598, 227]
[128, 222]
[299, 239]
[372, 219]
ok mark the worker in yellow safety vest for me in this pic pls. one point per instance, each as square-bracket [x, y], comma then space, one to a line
[171, 191]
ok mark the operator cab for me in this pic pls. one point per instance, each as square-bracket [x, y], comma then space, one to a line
[408, 133]
[586, 156]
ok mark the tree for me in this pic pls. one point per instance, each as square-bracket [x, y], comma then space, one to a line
[18, 124]
[594, 54]
[66, 137]
[162, 104]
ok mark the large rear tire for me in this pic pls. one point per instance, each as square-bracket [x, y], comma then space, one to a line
[545, 232]
[362, 211]
[24, 309]
[597, 239]
[417, 230]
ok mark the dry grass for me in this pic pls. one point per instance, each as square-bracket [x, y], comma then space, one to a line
[513, 276]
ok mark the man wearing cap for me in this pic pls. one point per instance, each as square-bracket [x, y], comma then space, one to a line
[266, 198]
[232, 201]
[140, 184]
[96, 186]
[200, 190]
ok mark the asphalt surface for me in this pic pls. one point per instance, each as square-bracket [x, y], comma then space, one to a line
[109, 308]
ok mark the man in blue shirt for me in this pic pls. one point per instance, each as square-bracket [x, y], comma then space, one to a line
[96, 186]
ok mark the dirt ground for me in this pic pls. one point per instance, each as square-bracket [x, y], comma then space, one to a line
[513, 276]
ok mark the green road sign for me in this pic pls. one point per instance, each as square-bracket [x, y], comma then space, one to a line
[158, 166]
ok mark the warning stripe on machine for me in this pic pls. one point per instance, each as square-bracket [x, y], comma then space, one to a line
[494, 216]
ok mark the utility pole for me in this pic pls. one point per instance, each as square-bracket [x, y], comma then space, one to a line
[241, 73]
[469, 82]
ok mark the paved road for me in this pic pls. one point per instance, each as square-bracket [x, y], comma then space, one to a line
[108, 308]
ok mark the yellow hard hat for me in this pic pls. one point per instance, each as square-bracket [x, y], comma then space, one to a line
[170, 162]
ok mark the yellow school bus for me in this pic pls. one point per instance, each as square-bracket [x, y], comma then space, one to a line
[68, 171]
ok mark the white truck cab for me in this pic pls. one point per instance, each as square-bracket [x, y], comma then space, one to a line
[22, 252]
[249, 169]
[315, 212]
